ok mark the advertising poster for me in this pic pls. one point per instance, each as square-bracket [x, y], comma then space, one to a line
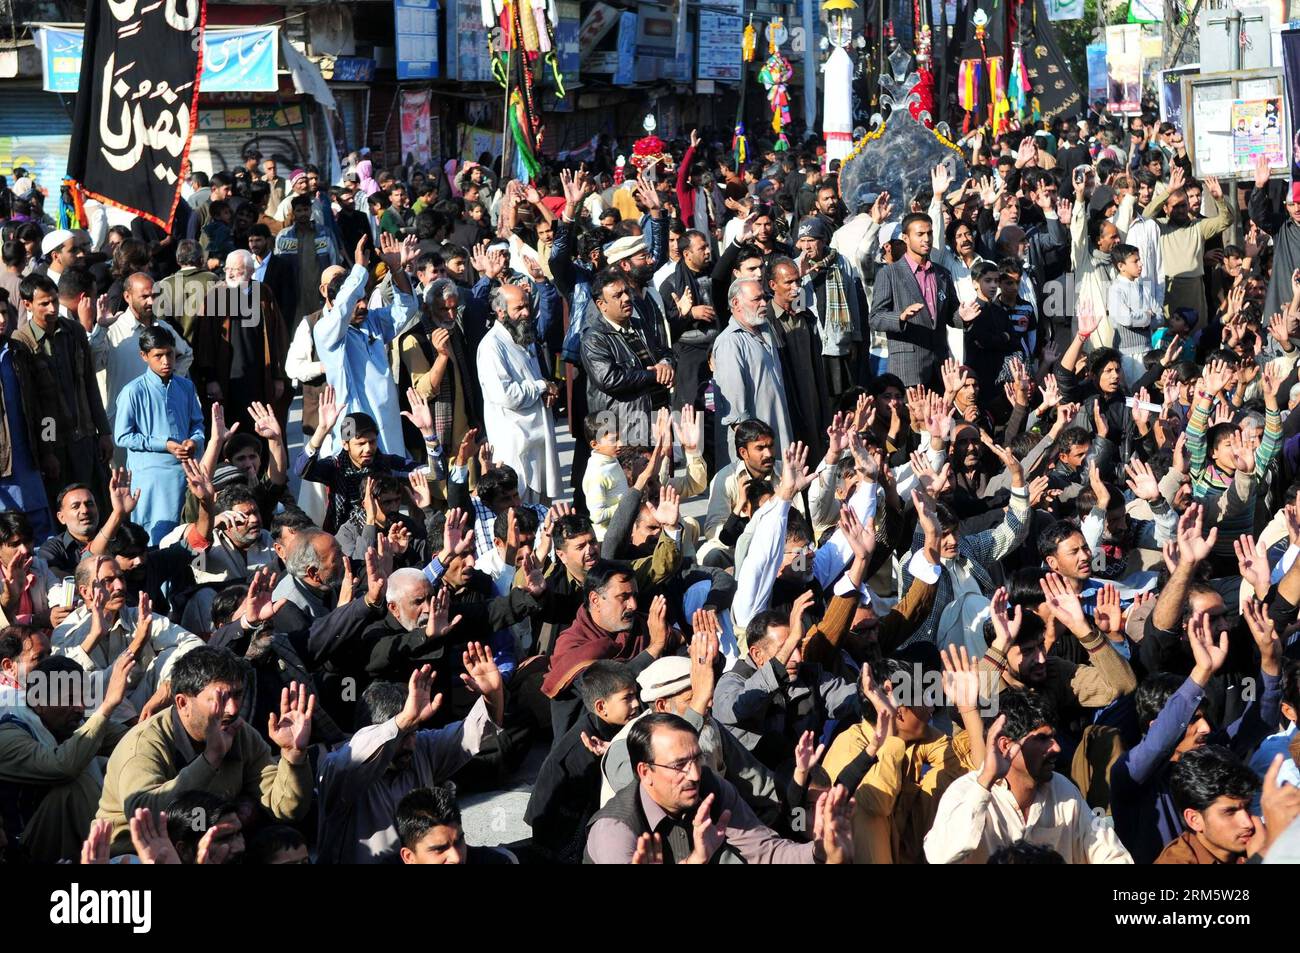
[1097, 76]
[417, 132]
[1124, 68]
[1257, 126]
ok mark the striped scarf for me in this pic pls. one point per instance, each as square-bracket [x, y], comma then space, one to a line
[837, 299]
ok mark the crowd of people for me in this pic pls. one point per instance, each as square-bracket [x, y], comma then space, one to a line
[952, 527]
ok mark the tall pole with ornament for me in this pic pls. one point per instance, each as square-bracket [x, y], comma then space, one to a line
[837, 84]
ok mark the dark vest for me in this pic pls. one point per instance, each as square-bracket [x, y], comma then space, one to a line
[625, 807]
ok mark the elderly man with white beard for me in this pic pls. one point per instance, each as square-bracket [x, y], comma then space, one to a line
[747, 369]
[517, 398]
[240, 344]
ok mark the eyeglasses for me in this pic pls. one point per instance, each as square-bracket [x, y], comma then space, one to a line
[680, 767]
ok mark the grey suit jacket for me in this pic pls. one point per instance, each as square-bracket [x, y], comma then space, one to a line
[918, 346]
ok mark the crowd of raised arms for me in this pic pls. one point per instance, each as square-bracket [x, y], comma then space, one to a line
[953, 527]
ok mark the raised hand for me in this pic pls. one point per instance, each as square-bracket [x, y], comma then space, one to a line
[1191, 545]
[794, 475]
[327, 409]
[1064, 603]
[199, 481]
[420, 415]
[961, 680]
[1107, 615]
[1252, 564]
[258, 606]
[119, 491]
[707, 835]
[484, 678]
[688, 429]
[833, 827]
[668, 512]
[649, 850]
[421, 703]
[1006, 624]
[149, 837]
[1264, 631]
[457, 538]
[861, 536]
[265, 424]
[420, 490]
[95, 848]
[997, 762]
[1209, 655]
[291, 730]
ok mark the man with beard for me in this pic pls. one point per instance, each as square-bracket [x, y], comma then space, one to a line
[104, 627]
[433, 357]
[747, 369]
[204, 744]
[800, 348]
[772, 696]
[986, 810]
[413, 632]
[48, 750]
[831, 292]
[274, 272]
[517, 398]
[694, 330]
[241, 343]
[1016, 658]
[1183, 234]
[115, 344]
[362, 782]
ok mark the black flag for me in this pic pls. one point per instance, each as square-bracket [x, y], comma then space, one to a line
[139, 70]
[1050, 80]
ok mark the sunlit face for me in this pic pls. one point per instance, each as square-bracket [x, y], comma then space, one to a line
[919, 238]
[1073, 558]
[411, 609]
[673, 779]
[579, 553]
[1226, 825]
[161, 361]
[444, 844]
[1038, 753]
[614, 609]
[785, 285]
[759, 456]
[78, 513]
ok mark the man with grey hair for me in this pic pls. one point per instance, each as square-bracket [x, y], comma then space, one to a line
[241, 345]
[517, 398]
[180, 296]
[747, 369]
[434, 356]
[362, 782]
